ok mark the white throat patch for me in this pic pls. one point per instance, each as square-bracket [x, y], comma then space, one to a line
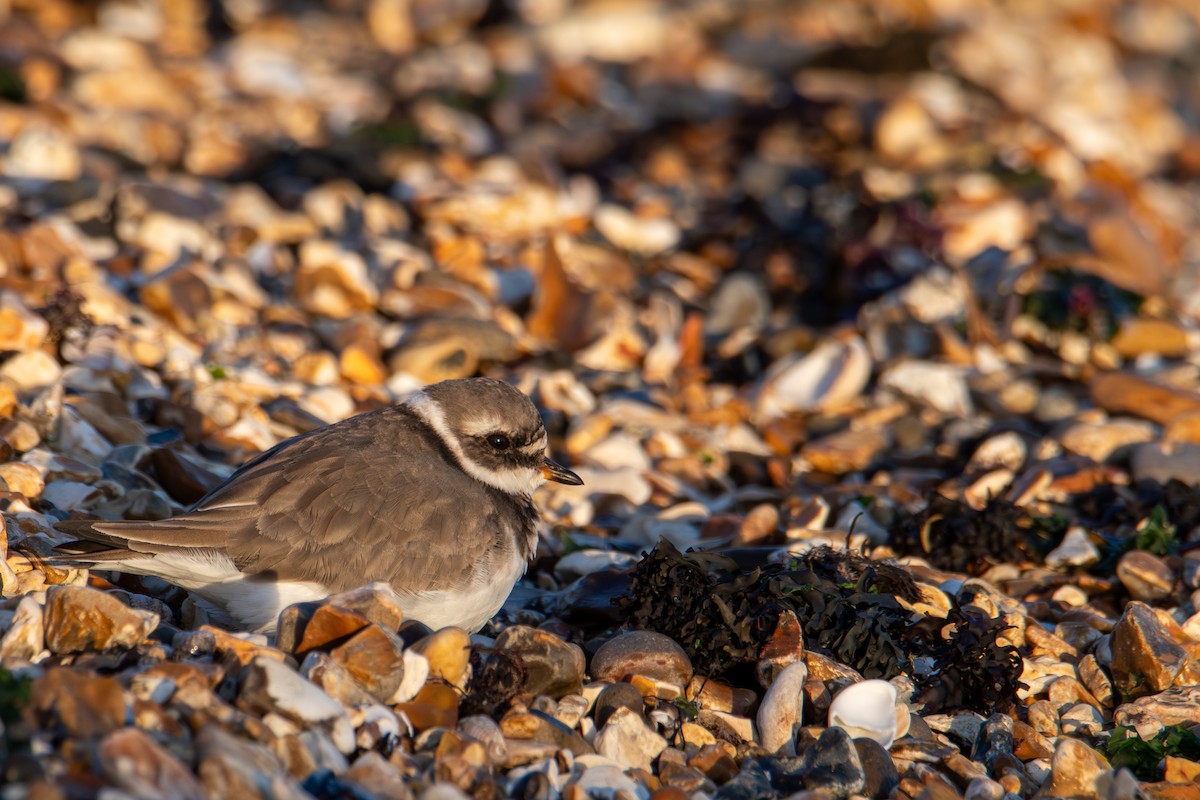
[511, 481]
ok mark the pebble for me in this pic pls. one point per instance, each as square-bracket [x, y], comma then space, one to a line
[374, 657]
[553, 667]
[831, 764]
[833, 373]
[644, 653]
[941, 387]
[1076, 770]
[782, 709]
[1145, 576]
[1075, 550]
[614, 696]
[24, 638]
[136, 763]
[78, 619]
[1146, 659]
[81, 703]
[448, 652]
[625, 738]
[269, 686]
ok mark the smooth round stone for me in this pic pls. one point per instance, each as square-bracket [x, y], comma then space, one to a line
[1145, 576]
[642, 653]
[614, 696]
[448, 651]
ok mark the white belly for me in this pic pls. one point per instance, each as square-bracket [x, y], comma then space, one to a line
[256, 605]
[467, 607]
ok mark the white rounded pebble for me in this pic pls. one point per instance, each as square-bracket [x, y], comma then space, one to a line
[866, 710]
[781, 710]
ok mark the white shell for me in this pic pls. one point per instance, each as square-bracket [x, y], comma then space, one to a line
[866, 710]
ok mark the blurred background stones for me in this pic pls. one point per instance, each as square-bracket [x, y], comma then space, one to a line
[888, 310]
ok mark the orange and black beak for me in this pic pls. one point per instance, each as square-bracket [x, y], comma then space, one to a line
[559, 474]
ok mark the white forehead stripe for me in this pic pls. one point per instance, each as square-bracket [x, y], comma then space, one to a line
[511, 481]
[483, 426]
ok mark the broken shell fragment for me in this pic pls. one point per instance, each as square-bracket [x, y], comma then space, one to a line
[866, 710]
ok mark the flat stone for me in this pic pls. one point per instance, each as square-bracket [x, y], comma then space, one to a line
[1101, 441]
[604, 780]
[289, 629]
[730, 727]
[540, 727]
[1181, 770]
[374, 657]
[1123, 393]
[269, 686]
[1177, 705]
[1164, 462]
[184, 480]
[1043, 718]
[1007, 450]
[1028, 744]
[377, 602]
[833, 373]
[715, 761]
[846, 451]
[942, 387]
[1140, 335]
[554, 667]
[626, 739]
[139, 765]
[435, 706]
[241, 647]
[1145, 576]
[1146, 659]
[720, 696]
[23, 478]
[231, 766]
[1075, 771]
[329, 626]
[82, 703]
[995, 740]
[79, 619]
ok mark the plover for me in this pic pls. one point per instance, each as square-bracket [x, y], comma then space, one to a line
[432, 495]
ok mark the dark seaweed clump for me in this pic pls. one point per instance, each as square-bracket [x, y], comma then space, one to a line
[497, 677]
[951, 535]
[723, 614]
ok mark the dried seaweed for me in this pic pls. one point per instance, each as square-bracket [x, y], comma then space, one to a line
[723, 615]
[497, 677]
[953, 536]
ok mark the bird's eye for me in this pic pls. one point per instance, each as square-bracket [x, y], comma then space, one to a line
[499, 441]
